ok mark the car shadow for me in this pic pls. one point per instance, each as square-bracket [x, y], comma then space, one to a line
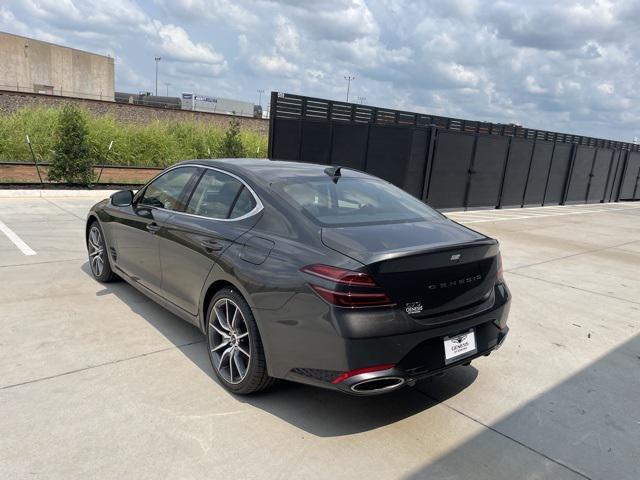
[317, 411]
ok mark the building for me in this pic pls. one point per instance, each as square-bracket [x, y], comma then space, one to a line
[28, 65]
[205, 103]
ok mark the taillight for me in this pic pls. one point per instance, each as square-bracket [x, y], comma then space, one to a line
[499, 274]
[347, 288]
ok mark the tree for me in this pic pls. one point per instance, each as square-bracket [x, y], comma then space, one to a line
[232, 146]
[71, 160]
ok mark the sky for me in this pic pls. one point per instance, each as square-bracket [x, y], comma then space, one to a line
[568, 66]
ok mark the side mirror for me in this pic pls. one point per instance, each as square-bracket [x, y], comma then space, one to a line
[123, 198]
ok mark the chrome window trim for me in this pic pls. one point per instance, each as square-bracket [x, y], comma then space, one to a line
[257, 209]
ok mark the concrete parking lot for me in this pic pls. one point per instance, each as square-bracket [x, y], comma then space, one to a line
[96, 381]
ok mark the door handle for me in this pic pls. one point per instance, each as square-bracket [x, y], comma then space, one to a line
[211, 245]
[153, 227]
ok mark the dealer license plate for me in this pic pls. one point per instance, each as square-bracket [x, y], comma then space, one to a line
[459, 346]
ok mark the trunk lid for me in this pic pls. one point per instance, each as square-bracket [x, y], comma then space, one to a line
[429, 268]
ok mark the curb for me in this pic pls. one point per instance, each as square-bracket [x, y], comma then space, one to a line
[54, 193]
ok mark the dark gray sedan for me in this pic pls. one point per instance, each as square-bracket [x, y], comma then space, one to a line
[316, 274]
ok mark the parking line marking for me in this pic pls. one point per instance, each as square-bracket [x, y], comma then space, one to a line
[481, 216]
[17, 241]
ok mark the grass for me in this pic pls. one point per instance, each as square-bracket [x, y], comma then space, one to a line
[155, 144]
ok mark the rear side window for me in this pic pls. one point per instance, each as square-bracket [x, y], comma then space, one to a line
[354, 201]
[167, 190]
[220, 196]
[244, 204]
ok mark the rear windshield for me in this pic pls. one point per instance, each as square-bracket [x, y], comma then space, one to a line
[354, 201]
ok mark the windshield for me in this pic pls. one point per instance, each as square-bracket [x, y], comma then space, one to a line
[354, 201]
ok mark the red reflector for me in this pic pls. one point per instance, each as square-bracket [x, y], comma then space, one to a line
[358, 371]
[340, 275]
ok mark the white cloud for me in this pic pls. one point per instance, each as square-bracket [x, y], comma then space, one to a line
[569, 66]
[175, 44]
[274, 64]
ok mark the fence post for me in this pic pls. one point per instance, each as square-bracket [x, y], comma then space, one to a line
[105, 158]
[428, 162]
[606, 183]
[431, 155]
[526, 182]
[470, 170]
[593, 167]
[546, 185]
[35, 161]
[272, 118]
[303, 109]
[623, 174]
[504, 169]
[567, 180]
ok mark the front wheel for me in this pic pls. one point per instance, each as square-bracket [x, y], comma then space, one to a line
[98, 258]
[234, 344]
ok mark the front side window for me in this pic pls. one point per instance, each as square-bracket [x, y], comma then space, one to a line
[354, 201]
[220, 196]
[167, 190]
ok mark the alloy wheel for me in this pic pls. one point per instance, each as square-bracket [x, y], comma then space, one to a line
[229, 341]
[96, 251]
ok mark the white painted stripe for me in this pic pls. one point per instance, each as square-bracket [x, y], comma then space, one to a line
[554, 214]
[17, 241]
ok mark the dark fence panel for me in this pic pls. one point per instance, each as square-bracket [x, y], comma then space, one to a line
[557, 182]
[515, 177]
[629, 188]
[452, 162]
[538, 173]
[389, 149]
[349, 146]
[316, 143]
[287, 131]
[450, 172]
[599, 175]
[417, 164]
[487, 170]
[579, 181]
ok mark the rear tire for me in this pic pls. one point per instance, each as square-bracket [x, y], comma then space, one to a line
[234, 344]
[98, 256]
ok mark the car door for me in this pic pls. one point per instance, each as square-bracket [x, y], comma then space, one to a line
[140, 225]
[221, 208]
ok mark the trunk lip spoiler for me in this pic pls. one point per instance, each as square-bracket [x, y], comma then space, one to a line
[398, 254]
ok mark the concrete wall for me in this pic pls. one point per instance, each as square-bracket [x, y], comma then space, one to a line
[28, 65]
[12, 101]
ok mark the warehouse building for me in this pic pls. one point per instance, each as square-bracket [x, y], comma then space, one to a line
[28, 65]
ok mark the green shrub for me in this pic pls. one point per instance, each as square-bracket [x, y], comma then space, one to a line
[232, 146]
[159, 143]
[71, 161]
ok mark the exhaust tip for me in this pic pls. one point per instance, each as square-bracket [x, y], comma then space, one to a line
[378, 385]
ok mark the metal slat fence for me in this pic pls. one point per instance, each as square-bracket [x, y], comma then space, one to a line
[458, 163]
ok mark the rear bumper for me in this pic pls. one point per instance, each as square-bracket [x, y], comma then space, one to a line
[385, 381]
[318, 355]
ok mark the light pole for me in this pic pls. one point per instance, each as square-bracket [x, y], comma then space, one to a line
[349, 78]
[260, 92]
[167, 84]
[157, 59]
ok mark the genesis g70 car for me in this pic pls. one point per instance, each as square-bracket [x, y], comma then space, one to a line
[322, 275]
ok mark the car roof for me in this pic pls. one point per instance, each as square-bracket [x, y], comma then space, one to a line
[265, 171]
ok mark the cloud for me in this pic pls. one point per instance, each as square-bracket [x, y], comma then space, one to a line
[175, 44]
[567, 66]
